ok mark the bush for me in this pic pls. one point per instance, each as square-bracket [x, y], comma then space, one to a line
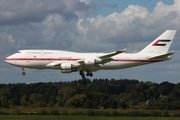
[97, 113]
[2, 113]
[133, 114]
[44, 112]
[103, 113]
[142, 114]
[54, 112]
[155, 114]
[77, 112]
[90, 113]
[166, 114]
[64, 112]
[16, 112]
[176, 115]
[114, 113]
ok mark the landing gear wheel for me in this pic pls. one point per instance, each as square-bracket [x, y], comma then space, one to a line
[89, 73]
[23, 73]
[82, 74]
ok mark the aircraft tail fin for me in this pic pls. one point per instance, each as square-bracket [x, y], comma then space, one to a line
[161, 44]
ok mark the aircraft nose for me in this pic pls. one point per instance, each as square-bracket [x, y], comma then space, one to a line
[6, 59]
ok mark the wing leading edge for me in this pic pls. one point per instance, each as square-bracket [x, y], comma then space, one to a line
[114, 53]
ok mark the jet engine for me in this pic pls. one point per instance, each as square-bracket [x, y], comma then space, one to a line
[69, 67]
[93, 61]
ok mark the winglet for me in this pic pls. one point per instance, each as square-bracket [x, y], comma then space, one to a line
[128, 48]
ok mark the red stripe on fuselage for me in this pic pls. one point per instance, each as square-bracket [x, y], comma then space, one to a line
[75, 59]
[44, 59]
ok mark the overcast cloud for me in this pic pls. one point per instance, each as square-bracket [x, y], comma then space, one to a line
[67, 25]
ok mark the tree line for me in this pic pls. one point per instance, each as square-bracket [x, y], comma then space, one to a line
[95, 94]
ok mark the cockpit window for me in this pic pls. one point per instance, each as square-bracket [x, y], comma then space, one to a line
[19, 52]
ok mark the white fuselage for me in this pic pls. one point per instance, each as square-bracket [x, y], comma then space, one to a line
[39, 59]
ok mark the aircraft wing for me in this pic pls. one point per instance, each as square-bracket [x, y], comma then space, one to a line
[99, 60]
[90, 64]
[114, 53]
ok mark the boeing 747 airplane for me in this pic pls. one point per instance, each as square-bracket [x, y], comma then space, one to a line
[86, 63]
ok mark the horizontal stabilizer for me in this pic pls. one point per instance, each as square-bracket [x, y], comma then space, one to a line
[161, 57]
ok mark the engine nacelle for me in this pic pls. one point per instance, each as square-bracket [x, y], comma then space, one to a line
[68, 67]
[93, 61]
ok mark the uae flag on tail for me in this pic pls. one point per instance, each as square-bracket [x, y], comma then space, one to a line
[161, 42]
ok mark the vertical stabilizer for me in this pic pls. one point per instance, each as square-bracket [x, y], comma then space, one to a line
[161, 44]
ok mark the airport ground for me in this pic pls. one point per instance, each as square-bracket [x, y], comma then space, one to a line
[86, 114]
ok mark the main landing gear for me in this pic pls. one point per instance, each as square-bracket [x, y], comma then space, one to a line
[89, 73]
[23, 73]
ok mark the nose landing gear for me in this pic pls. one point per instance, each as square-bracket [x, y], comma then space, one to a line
[23, 73]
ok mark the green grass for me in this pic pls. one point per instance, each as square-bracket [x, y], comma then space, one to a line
[70, 117]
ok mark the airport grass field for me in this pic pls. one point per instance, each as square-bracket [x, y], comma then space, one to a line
[70, 117]
[85, 114]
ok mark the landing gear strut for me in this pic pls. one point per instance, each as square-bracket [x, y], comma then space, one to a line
[89, 73]
[23, 73]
